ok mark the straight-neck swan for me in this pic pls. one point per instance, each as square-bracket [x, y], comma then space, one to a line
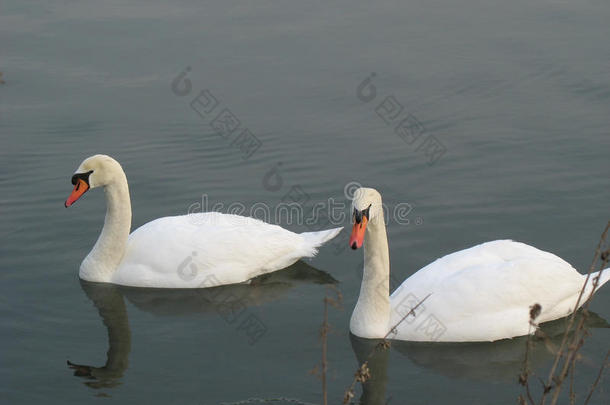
[478, 294]
[188, 251]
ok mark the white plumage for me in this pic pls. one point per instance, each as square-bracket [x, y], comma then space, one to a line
[209, 249]
[483, 293]
[189, 251]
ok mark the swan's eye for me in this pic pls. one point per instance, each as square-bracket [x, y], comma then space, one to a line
[359, 214]
[81, 176]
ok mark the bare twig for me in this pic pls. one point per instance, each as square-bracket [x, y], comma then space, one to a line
[324, 333]
[360, 375]
[411, 312]
[324, 330]
[599, 376]
[524, 377]
[578, 339]
[572, 372]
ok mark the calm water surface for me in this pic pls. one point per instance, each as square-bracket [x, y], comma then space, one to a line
[517, 94]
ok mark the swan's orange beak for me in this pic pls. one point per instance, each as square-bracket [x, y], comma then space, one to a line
[357, 238]
[80, 188]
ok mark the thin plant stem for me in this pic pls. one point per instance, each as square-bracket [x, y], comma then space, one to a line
[324, 330]
[324, 351]
[565, 338]
[349, 393]
[599, 376]
[524, 377]
[572, 371]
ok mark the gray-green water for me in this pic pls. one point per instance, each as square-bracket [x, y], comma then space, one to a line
[517, 93]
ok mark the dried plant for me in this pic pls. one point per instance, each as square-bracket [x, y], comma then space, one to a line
[573, 339]
[363, 373]
[324, 331]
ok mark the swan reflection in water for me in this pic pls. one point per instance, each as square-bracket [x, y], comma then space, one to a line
[222, 300]
[499, 361]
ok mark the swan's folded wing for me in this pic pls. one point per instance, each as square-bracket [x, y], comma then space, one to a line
[484, 293]
[204, 250]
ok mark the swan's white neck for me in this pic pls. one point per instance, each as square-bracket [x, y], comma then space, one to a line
[371, 315]
[105, 257]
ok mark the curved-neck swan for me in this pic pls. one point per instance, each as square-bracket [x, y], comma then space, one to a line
[483, 293]
[188, 251]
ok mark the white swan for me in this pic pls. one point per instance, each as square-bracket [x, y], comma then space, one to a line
[188, 251]
[477, 294]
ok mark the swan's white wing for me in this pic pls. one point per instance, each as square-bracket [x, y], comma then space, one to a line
[484, 293]
[206, 249]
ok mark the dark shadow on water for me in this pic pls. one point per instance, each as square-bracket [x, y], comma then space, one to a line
[109, 299]
[262, 289]
[109, 302]
[374, 389]
[500, 361]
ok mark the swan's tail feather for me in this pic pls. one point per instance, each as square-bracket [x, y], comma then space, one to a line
[603, 278]
[313, 240]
